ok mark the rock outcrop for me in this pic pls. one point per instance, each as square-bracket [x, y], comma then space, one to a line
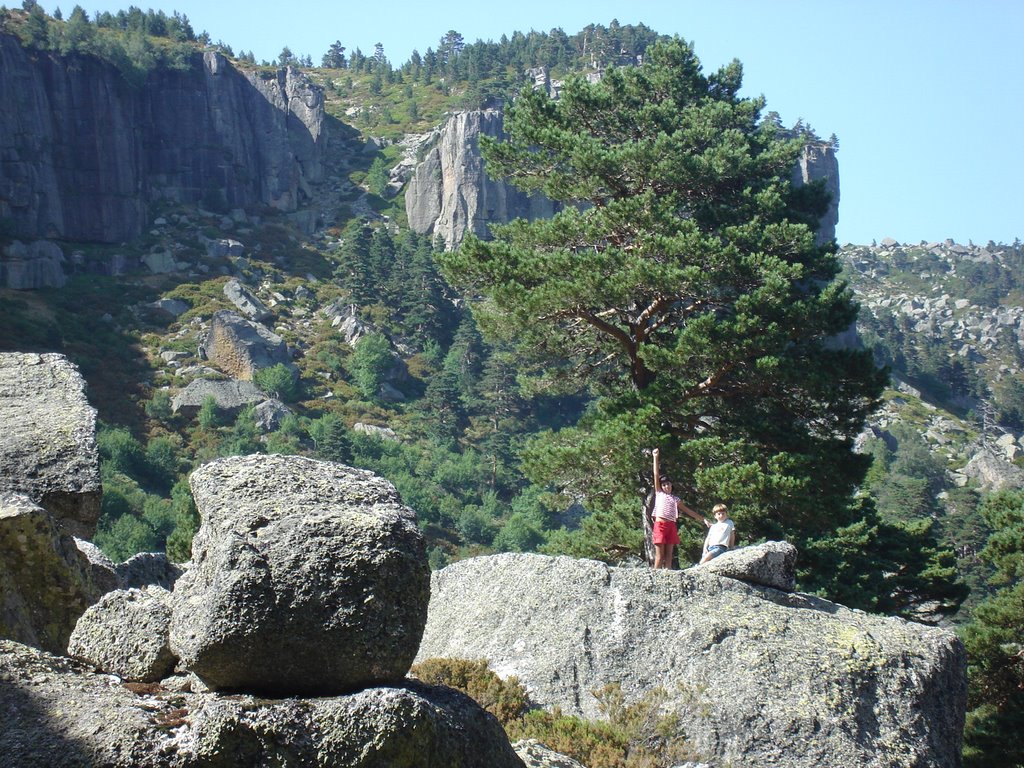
[231, 396]
[791, 679]
[83, 152]
[247, 302]
[450, 194]
[772, 564]
[818, 163]
[28, 267]
[308, 578]
[45, 581]
[58, 713]
[240, 347]
[48, 441]
[127, 634]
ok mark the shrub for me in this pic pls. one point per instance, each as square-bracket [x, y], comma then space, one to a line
[279, 381]
[635, 735]
[505, 699]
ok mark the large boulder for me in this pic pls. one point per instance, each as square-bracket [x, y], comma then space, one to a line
[239, 347]
[48, 440]
[148, 569]
[993, 472]
[58, 713]
[46, 582]
[308, 577]
[788, 679]
[772, 564]
[100, 567]
[126, 634]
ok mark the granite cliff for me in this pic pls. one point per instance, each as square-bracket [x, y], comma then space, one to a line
[451, 194]
[83, 152]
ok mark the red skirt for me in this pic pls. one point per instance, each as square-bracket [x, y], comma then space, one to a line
[665, 531]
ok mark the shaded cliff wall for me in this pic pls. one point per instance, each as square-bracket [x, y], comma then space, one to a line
[451, 194]
[83, 152]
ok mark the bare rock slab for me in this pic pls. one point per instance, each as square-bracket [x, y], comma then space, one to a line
[127, 634]
[756, 676]
[48, 438]
[308, 577]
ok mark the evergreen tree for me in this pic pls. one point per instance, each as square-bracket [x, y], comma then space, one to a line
[499, 415]
[466, 357]
[682, 286]
[335, 56]
[331, 437]
[425, 311]
[356, 273]
[995, 644]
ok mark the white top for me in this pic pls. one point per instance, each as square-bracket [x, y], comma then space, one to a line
[665, 506]
[719, 534]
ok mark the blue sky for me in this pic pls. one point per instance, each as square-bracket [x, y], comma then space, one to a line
[926, 96]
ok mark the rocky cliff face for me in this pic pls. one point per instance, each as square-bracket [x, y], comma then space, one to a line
[818, 163]
[450, 194]
[82, 152]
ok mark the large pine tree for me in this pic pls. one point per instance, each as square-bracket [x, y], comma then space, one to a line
[683, 287]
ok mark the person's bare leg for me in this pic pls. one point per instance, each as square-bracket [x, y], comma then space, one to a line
[659, 555]
[668, 555]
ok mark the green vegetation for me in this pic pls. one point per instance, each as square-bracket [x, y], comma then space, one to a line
[637, 735]
[501, 421]
[682, 289]
[994, 643]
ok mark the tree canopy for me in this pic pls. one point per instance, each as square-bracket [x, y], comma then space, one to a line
[682, 286]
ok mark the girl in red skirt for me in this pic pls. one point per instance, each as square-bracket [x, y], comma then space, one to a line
[666, 512]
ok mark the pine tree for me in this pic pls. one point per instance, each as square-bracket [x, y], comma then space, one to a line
[682, 286]
[357, 273]
[994, 644]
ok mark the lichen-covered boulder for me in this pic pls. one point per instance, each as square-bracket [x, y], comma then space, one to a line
[307, 577]
[407, 725]
[756, 676]
[48, 439]
[772, 564]
[58, 713]
[127, 634]
[45, 580]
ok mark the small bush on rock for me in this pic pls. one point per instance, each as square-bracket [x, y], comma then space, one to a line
[637, 735]
[505, 699]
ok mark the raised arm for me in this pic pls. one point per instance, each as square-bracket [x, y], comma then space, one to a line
[657, 469]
